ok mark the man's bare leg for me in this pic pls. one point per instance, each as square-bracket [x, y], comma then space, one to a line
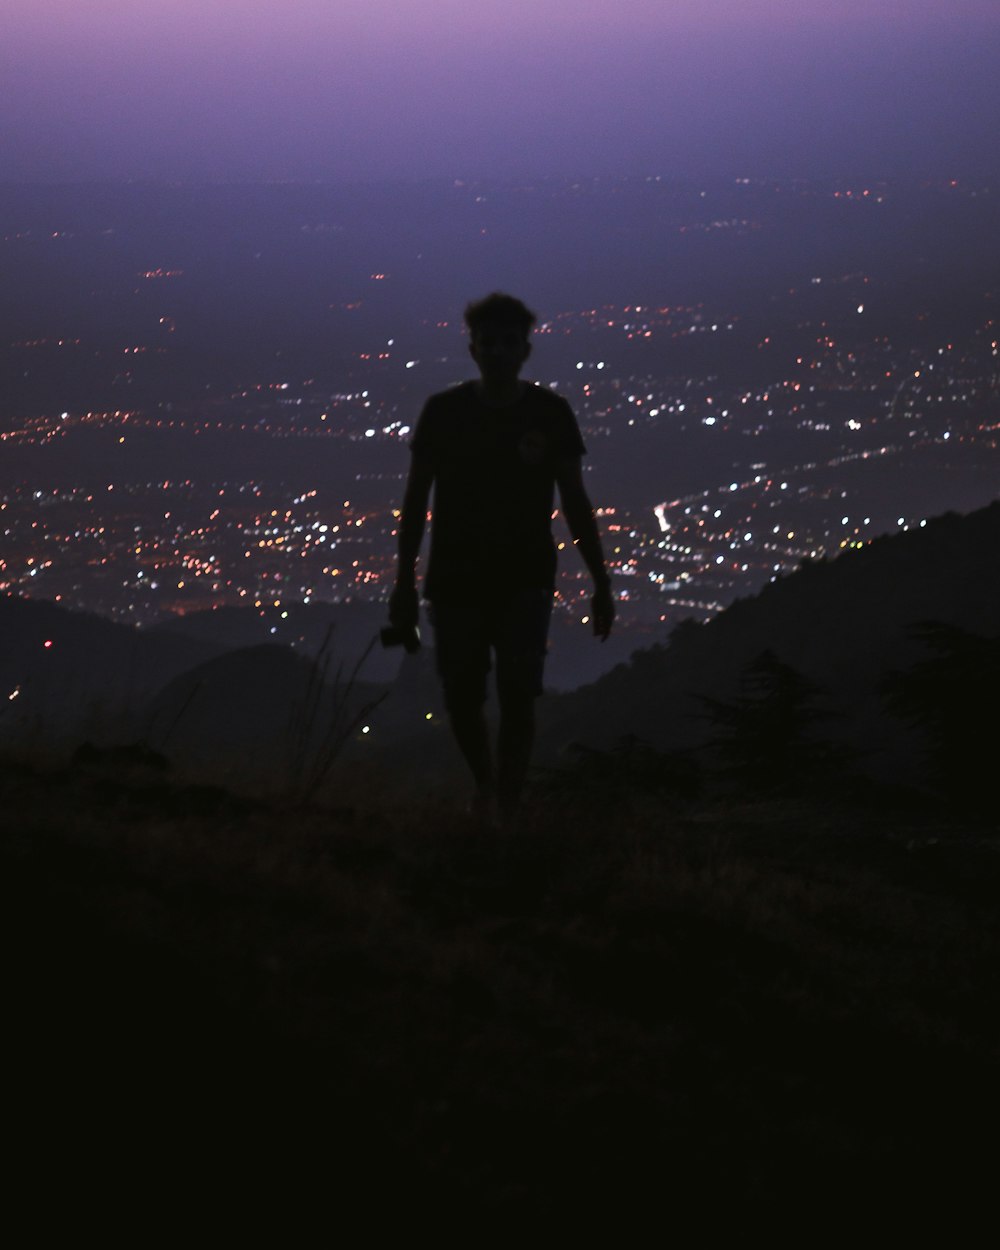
[514, 744]
[471, 732]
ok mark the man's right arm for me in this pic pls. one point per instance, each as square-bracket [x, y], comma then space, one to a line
[403, 602]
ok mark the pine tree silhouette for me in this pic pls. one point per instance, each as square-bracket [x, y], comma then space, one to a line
[765, 739]
[951, 698]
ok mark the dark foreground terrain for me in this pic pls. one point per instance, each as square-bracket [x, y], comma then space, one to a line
[623, 1009]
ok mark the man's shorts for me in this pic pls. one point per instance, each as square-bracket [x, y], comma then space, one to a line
[513, 626]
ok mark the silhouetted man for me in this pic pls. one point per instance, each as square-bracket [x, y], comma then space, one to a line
[494, 450]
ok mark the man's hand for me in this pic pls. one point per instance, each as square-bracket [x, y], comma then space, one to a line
[404, 607]
[602, 610]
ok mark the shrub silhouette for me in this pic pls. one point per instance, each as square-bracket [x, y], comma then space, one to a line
[325, 719]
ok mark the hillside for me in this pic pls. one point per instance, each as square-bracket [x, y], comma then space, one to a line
[66, 674]
[720, 1012]
[260, 713]
[844, 625]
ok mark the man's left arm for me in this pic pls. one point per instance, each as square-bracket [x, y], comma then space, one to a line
[579, 514]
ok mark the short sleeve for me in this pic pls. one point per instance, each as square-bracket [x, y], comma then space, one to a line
[569, 441]
[423, 441]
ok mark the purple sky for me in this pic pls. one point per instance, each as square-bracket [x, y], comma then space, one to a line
[349, 89]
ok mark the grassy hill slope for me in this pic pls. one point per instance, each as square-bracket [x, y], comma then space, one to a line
[608, 1012]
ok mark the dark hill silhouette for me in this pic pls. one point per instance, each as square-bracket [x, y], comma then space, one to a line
[70, 677]
[844, 624]
[259, 711]
[74, 672]
[347, 628]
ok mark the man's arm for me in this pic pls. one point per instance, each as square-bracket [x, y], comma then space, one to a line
[413, 517]
[579, 514]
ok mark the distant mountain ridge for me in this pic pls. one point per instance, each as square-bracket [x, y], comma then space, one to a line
[67, 675]
[66, 671]
[350, 628]
[844, 624]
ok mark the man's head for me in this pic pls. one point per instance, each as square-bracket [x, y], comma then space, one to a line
[499, 335]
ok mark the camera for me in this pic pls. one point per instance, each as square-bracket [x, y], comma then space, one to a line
[407, 638]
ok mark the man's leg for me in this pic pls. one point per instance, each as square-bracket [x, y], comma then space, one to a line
[521, 642]
[467, 718]
[463, 658]
[514, 743]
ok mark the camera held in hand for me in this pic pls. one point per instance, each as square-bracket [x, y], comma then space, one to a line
[407, 637]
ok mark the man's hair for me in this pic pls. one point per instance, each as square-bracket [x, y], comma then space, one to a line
[499, 309]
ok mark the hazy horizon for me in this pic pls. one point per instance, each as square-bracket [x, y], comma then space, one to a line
[261, 92]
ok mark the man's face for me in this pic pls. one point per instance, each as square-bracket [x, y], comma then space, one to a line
[499, 351]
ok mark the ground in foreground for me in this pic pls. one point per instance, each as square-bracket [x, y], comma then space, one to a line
[651, 1004]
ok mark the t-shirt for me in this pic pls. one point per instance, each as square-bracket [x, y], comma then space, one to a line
[494, 487]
